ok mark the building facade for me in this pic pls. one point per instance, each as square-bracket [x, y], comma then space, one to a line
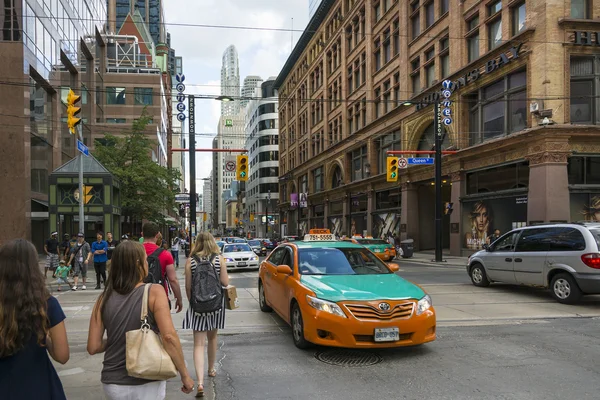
[312, 7]
[362, 80]
[230, 82]
[46, 49]
[207, 203]
[262, 143]
[250, 84]
[151, 11]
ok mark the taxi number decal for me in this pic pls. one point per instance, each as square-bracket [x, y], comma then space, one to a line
[320, 237]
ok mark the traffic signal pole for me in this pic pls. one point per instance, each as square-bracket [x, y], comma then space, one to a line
[192, 155]
[81, 193]
[437, 128]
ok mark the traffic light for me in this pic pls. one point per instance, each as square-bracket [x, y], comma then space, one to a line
[392, 169]
[242, 168]
[448, 208]
[72, 111]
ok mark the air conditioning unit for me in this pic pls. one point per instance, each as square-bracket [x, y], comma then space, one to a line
[534, 107]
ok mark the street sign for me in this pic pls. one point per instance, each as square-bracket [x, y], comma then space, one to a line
[181, 117]
[182, 198]
[230, 166]
[180, 97]
[402, 162]
[420, 160]
[180, 107]
[180, 78]
[83, 148]
[180, 87]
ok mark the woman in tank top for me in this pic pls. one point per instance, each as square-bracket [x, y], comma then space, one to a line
[117, 311]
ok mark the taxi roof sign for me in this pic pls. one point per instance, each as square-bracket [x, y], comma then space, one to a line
[319, 235]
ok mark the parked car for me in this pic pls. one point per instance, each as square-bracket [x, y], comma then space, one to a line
[257, 247]
[562, 257]
[268, 244]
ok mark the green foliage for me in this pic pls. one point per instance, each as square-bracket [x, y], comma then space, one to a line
[147, 189]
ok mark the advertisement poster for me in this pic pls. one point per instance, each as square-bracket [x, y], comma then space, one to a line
[585, 207]
[385, 224]
[293, 199]
[302, 228]
[335, 225]
[303, 200]
[484, 218]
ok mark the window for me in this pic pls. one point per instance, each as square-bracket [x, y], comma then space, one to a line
[537, 239]
[116, 120]
[473, 39]
[444, 58]
[506, 243]
[377, 11]
[584, 170]
[444, 6]
[566, 239]
[580, 9]
[429, 14]
[584, 74]
[115, 95]
[358, 162]
[415, 76]
[377, 102]
[494, 8]
[415, 23]
[387, 100]
[518, 19]
[143, 96]
[319, 179]
[396, 89]
[495, 33]
[499, 108]
[391, 141]
[396, 37]
[387, 47]
[429, 74]
[377, 55]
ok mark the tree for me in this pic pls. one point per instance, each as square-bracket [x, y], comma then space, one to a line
[147, 188]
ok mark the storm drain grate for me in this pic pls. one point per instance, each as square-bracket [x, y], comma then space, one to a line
[348, 358]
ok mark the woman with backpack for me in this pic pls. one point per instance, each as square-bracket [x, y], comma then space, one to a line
[205, 256]
[117, 312]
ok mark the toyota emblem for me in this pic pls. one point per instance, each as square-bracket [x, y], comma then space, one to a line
[384, 306]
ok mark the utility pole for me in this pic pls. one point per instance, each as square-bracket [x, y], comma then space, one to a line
[267, 214]
[73, 122]
[437, 128]
[192, 154]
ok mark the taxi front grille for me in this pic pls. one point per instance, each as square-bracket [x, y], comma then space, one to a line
[367, 312]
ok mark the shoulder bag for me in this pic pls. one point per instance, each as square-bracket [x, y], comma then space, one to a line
[146, 357]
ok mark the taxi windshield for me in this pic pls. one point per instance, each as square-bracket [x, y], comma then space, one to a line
[342, 261]
[372, 241]
[233, 248]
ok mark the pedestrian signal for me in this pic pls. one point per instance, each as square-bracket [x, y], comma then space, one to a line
[392, 169]
[242, 168]
[72, 111]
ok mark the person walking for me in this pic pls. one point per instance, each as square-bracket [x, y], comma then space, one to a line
[64, 248]
[51, 249]
[117, 311]
[80, 256]
[175, 245]
[112, 243]
[204, 325]
[32, 327]
[100, 250]
[151, 236]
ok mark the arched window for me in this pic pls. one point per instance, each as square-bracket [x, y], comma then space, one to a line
[427, 141]
[336, 177]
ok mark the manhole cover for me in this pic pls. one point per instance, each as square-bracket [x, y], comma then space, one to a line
[348, 358]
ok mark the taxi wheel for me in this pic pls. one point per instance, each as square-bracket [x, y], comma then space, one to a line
[261, 298]
[298, 328]
[478, 276]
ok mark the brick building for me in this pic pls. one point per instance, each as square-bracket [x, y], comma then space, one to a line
[361, 81]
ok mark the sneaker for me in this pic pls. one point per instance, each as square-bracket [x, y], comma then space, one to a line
[74, 288]
[83, 287]
[59, 289]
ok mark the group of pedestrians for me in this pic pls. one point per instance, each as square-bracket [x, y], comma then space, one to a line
[32, 322]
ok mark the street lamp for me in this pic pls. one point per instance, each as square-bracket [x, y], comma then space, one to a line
[224, 98]
[267, 214]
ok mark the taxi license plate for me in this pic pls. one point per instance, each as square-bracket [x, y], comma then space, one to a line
[387, 335]
[242, 264]
[377, 251]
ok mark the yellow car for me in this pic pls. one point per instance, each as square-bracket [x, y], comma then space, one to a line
[338, 293]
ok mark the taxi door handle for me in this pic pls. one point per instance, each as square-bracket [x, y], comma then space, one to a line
[518, 260]
[508, 259]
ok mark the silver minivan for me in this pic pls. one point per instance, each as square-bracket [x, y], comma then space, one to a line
[562, 257]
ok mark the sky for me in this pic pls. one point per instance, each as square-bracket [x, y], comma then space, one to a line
[261, 52]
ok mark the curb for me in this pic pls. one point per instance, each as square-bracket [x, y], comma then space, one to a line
[432, 263]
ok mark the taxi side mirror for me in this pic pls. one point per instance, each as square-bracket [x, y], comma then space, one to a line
[284, 269]
[393, 266]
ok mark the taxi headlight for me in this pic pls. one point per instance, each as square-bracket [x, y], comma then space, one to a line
[324, 305]
[424, 304]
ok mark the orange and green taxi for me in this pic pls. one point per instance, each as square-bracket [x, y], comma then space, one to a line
[338, 293]
[380, 247]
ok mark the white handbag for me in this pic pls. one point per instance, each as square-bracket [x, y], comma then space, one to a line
[146, 357]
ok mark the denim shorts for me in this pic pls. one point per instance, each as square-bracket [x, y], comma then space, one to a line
[149, 391]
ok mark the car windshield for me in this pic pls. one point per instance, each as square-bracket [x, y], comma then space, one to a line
[234, 248]
[372, 241]
[343, 261]
[239, 241]
[254, 243]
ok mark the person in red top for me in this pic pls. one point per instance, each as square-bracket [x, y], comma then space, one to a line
[151, 234]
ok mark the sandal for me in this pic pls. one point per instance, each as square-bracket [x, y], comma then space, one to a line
[212, 372]
[200, 392]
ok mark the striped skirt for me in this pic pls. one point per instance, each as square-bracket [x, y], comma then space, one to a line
[206, 321]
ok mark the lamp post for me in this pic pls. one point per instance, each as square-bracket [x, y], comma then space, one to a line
[267, 214]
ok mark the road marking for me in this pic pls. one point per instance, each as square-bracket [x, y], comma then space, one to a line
[72, 371]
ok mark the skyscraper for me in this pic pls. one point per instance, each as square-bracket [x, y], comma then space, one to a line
[312, 7]
[230, 82]
[151, 11]
[250, 84]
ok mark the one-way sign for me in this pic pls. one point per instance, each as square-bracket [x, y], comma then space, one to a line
[83, 148]
[420, 160]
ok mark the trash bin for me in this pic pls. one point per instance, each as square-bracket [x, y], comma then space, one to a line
[407, 247]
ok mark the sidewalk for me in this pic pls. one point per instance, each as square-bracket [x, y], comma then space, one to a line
[428, 257]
